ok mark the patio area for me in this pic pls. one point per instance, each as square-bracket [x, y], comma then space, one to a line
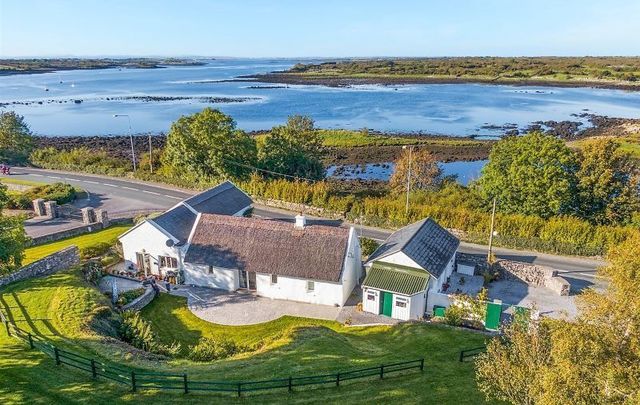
[245, 308]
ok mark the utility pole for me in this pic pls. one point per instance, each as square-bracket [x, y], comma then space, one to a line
[491, 233]
[133, 152]
[406, 208]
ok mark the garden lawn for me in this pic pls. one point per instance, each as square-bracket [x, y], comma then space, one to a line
[108, 235]
[64, 309]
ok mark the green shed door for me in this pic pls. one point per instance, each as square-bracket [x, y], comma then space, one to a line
[386, 303]
[492, 320]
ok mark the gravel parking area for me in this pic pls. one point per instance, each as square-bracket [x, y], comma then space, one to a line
[543, 299]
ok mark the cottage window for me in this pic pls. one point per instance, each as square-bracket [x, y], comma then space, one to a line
[401, 303]
[274, 279]
[168, 262]
[371, 297]
[311, 286]
[210, 269]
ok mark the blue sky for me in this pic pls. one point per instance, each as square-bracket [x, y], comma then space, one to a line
[327, 28]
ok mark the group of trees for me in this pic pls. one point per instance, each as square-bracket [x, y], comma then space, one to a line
[538, 174]
[208, 144]
[13, 238]
[592, 360]
[16, 143]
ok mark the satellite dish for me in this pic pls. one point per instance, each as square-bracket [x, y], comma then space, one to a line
[169, 242]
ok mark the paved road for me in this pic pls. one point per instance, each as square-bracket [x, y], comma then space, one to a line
[119, 195]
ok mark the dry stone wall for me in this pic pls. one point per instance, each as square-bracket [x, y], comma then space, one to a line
[48, 265]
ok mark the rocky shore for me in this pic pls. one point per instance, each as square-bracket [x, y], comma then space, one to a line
[443, 151]
[144, 99]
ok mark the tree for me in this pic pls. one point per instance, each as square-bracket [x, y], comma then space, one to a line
[607, 189]
[593, 360]
[534, 174]
[207, 144]
[425, 172]
[294, 149]
[16, 141]
[13, 239]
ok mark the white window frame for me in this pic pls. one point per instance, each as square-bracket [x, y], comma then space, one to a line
[403, 301]
[170, 261]
[276, 279]
[311, 286]
[371, 296]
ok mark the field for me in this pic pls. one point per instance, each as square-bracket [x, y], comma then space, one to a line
[69, 312]
[622, 72]
[108, 235]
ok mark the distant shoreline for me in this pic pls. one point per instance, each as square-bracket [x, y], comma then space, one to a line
[10, 67]
[348, 81]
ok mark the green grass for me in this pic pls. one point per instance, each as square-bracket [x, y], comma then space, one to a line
[63, 308]
[345, 138]
[8, 180]
[108, 235]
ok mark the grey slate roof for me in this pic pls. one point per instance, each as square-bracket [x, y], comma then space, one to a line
[316, 252]
[224, 199]
[178, 221]
[425, 242]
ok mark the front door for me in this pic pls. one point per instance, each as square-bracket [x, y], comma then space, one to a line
[243, 279]
[386, 303]
[252, 280]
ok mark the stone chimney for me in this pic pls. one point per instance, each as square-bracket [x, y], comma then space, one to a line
[301, 221]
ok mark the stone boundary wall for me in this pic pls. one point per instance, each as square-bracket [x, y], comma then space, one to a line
[531, 274]
[48, 265]
[142, 301]
[79, 230]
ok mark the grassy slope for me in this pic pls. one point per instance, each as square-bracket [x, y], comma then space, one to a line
[61, 306]
[108, 235]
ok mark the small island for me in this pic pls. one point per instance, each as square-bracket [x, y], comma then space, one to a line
[602, 72]
[45, 65]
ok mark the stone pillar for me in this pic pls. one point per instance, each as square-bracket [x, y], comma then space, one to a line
[103, 217]
[38, 207]
[88, 215]
[51, 209]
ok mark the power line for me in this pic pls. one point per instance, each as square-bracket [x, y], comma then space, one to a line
[268, 171]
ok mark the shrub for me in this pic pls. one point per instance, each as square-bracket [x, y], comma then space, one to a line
[129, 296]
[59, 192]
[92, 272]
[209, 349]
[137, 331]
[95, 250]
[368, 246]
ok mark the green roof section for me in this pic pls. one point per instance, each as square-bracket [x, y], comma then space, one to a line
[398, 279]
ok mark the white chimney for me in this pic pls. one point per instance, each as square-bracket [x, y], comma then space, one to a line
[301, 221]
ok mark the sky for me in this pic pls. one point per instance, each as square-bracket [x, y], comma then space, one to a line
[326, 28]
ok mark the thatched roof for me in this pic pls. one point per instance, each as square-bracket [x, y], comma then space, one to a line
[316, 252]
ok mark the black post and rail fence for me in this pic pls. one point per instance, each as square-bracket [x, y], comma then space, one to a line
[180, 382]
[469, 353]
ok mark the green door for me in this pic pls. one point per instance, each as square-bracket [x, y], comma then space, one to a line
[492, 320]
[386, 303]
